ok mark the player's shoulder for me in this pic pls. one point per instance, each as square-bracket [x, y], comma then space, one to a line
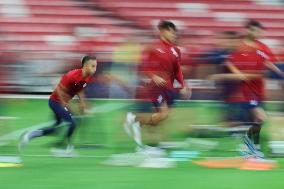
[155, 45]
[74, 72]
[153, 48]
[262, 46]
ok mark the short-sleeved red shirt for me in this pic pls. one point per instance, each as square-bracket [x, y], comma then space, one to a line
[73, 82]
[163, 59]
[249, 59]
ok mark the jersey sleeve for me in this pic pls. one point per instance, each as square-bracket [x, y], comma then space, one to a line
[268, 54]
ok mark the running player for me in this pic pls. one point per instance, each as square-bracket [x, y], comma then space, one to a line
[71, 84]
[156, 93]
[248, 64]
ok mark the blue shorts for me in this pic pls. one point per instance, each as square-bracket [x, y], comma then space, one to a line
[61, 112]
[165, 95]
[241, 111]
[158, 97]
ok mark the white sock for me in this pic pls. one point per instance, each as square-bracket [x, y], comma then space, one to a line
[130, 119]
[137, 133]
[257, 146]
[36, 133]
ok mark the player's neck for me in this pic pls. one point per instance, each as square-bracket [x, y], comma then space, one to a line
[250, 41]
[165, 40]
[84, 73]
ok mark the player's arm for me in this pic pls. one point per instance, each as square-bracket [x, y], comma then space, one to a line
[274, 68]
[112, 78]
[233, 76]
[237, 74]
[185, 90]
[269, 63]
[82, 101]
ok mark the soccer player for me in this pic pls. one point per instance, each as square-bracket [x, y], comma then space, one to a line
[248, 64]
[156, 93]
[71, 84]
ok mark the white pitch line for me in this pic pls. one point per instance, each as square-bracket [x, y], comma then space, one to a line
[79, 156]
[8, 118]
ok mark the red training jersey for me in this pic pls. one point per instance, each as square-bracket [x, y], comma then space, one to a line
[163, 59]
[73, 82]
[251, 59]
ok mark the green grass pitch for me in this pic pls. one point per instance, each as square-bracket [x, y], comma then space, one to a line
[102, 135]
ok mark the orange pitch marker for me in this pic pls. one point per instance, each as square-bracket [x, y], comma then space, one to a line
[221, 163]
[238, 163]
[254, 164]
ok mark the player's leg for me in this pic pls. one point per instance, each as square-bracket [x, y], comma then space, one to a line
[148, 114]
[63, 114]
[53, 128]
[154, 118]
[259, 117]
[251, 139]
[29, 135]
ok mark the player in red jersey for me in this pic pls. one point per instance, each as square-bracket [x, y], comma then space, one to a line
[248, 64]
[71, 84]
[157, 73]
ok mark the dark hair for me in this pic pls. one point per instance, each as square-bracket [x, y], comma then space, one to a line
[166, 25]
[231, 34]
[253, 23]
[87, 58]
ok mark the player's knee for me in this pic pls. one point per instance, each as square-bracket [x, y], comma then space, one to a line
[160, 117]
[165, 115]
[260, 116]
[260, 119]
[72, 125]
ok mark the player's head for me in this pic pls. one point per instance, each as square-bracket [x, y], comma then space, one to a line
[89, 64]
[229, 40]
[254, 29]
[167, 31]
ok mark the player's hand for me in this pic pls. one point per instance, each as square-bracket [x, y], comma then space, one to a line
[185, 93]
[160, 82]
[82, 107]
[67, 107]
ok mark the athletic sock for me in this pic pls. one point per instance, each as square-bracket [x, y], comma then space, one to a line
[36, 133]
[258, 147]
[256, 133]
[137, 133]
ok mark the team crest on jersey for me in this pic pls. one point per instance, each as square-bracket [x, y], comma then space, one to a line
[174, 52]
[261, 53]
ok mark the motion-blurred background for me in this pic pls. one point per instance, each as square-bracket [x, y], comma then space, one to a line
[40, 39]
